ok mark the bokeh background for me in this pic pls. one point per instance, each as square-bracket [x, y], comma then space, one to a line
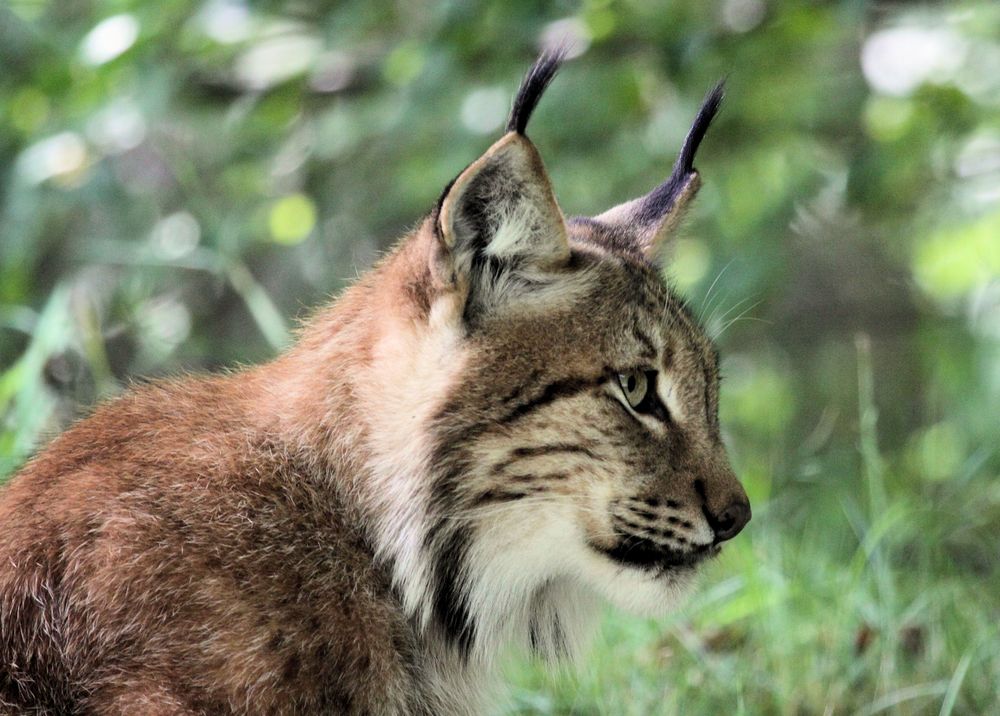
[181, 181]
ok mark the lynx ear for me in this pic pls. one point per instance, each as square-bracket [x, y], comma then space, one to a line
[650, 219]
[501, 209]
[500, 213]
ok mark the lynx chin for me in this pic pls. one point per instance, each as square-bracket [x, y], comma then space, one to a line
[508, 421]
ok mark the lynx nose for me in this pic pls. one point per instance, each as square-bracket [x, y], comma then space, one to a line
[728, 523]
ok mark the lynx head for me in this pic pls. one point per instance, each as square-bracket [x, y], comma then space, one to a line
[571, 447]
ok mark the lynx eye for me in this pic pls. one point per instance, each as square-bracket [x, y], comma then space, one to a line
[635, 385]
[639, 388]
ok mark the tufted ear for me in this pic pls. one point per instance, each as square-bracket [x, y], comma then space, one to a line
[500, 216]
[500, 212]
[650, 219]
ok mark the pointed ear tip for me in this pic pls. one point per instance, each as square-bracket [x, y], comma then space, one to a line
[513, 152]
[511, 142]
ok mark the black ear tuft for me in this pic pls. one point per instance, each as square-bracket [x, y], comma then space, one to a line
[709, 108]
[648, 220]
[532, 87]
[663, 199]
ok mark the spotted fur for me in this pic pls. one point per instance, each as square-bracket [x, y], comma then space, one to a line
[445, 467]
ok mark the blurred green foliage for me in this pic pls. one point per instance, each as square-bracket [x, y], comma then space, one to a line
[182, 180]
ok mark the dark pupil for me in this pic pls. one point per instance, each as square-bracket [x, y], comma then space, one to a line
[631, 383]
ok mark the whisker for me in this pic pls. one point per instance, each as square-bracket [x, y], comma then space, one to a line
[734, 307]
[742, 315]
[708, 293]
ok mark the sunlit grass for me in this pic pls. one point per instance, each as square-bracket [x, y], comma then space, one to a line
[796, 630]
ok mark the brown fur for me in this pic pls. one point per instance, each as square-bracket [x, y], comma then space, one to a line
[189, 545]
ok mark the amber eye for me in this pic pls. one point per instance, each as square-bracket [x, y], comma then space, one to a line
[635, 385]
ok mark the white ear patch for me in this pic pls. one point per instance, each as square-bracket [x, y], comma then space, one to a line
[513, 233]
[513, 236]
[503, 204]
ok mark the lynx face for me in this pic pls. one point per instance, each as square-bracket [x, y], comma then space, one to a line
[577, 450]
[600, 454]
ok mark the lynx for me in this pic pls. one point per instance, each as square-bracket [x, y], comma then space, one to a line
[507, 422]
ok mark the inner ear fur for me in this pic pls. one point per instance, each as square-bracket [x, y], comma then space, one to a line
[650, 221]
[501, 208]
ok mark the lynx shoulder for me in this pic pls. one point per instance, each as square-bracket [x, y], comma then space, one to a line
[510, 420]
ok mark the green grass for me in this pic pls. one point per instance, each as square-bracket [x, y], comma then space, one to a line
[786, 629]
